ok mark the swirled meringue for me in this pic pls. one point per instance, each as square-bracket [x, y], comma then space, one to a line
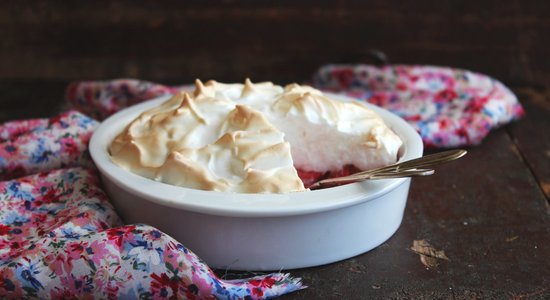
[250, 138]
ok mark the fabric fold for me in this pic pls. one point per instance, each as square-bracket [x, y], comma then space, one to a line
[100, 99]
[449, 107]
[39, 145]
[61, 238]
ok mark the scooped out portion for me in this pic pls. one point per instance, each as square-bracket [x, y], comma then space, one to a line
[253, 138]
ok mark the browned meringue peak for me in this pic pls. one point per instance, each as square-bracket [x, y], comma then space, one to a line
[205, 142]
[219, 137]
[326, 134]
[248, 88]
[255, 95]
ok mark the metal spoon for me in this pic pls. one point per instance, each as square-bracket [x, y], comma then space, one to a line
[413, 167]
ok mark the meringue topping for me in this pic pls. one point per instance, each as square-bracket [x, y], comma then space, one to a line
[250, 138]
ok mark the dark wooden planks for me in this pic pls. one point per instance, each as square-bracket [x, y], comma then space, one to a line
[488, 215]
[486, 211]
[25, 99]
[532, 134]
[281, 41]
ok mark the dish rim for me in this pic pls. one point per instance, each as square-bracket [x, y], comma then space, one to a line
[241, 204]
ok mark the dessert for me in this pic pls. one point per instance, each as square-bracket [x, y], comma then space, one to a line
[253, 138]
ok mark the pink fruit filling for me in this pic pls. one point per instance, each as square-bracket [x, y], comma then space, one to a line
[310, 177]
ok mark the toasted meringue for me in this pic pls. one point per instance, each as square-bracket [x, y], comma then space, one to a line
[250, 138]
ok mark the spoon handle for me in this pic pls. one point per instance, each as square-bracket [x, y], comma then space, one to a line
[413, 167]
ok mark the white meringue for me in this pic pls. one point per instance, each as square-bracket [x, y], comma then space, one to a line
[250, 137]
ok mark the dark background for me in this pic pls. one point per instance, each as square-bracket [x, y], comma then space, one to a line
[282, 41]
[490, 213]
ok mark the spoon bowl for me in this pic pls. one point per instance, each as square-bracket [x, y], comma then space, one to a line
[409, 168]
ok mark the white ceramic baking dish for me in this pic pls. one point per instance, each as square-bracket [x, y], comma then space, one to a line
[260, 231]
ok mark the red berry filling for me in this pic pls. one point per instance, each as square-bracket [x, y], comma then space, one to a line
[310, 177]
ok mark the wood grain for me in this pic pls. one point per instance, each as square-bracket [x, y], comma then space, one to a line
[485, 212]
[488, 213]
[268, 40]
[26, 99]
[531, 134]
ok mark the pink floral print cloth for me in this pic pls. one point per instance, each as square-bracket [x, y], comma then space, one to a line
[37, 145]
[448, 107]
[61, 238]
[100, 99]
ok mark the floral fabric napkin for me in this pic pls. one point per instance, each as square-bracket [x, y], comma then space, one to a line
[61, 238]
[36, 145]
[448, 107]
[100, 99]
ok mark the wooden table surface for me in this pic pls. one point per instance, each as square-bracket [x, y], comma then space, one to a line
[489, 212]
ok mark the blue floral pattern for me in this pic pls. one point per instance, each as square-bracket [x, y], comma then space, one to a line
[448, 107]
[61, 238]
[39, 145]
